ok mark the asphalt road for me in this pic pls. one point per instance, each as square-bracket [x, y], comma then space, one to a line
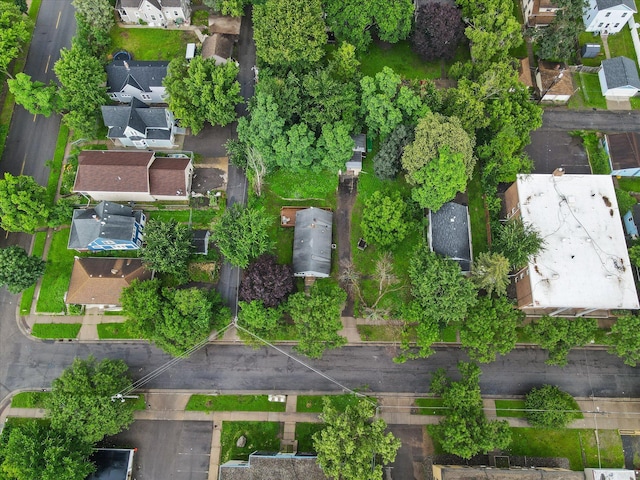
[605, 121]
[32, 139]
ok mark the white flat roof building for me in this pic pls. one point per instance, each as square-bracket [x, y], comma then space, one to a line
[584, 268]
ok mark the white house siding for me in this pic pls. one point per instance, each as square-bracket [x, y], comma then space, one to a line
[625, 92]
[156, 95]
[611, 20]
[120, 196]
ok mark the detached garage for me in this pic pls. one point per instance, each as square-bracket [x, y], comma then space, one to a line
[619, 77]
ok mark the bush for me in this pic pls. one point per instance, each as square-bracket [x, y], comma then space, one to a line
[550, 407]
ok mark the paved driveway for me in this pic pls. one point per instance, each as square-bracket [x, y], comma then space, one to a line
[409, 464]
[210, 140]
[168, 450]
[551, 149]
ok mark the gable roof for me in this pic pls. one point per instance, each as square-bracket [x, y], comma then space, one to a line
[142, 75]
[101, 280]
[200, 241]
[449, 233]
[217, 44]
[150, 121]
[620, 72]
[268, 466]
[312, 242]
[604, 4]
[555, 79]
[624, 150]
[106, 220]
[113, 171]
[166, 176]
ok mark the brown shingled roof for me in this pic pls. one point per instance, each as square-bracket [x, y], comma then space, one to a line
[624, 150]
[101, 280]
[113, 171]
[552, 82]
[167, 176]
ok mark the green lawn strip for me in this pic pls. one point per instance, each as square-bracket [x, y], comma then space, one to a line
[56, 163]
[233, 403]
[115, 330]
[29, 400]
[477, 215]
[198, 217]
[56, 330]
[568, 443]
[259, 436]
[598, 158]
[629, 184]
[27, 295]
[510, 408]
[430, 406]
[140, 403]
[304, 434]
[55, 281]
[589, 94]
[521, 51]
[621, 44]
[151, 43]
[449, 334]
[314, 403]
[200, 17]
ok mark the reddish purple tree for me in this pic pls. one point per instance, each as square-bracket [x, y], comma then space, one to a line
[438, 31]
[266, 280]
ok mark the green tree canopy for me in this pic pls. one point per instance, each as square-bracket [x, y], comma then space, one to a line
[490, 273]
[36, 97]
[241, 234]
[317, 318]
[625, 339]
[200, 91]
[518, 242]
[23, 204]
[167, 248]
[386, 163]
[490, 328]
[550, 407]
[353, 445]
[234, 8]
[18, 270]
[558, 40]
[98, 14]
[289, 33]
[33, 450]
[559, 335]
[259, 320]
[80, 402]
[384, 219]
[465, 431]
[14, 33]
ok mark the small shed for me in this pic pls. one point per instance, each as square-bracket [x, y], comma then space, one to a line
[112, 464]
[590, 50]
[449, 234]
[624, 153]
[619, 78]
[312, 243]
[200, 241]
[191, 51]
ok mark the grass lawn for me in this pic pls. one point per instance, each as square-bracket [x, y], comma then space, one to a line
[140, 403]
[401, 59]
[56, 164]
[55, 281]
[629, 184]
[380, 333]
[259, 435]
[116, 330]
[233, 403]
[635, 103]
[588, 37]
[304, 434]
[200, 17]
[510, 408]
[27, 295]
[314, 403]
[588, 94]
[430, 406]
[56, 330]
[477, 215]
[198, 218]
[621, 44]
[569, 443]
[29, 399]
[598, 158]
[151, 43]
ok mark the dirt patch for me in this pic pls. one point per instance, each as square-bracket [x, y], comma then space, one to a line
[347, 191]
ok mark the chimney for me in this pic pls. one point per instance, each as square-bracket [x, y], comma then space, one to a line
[126, 65]
[558, 172]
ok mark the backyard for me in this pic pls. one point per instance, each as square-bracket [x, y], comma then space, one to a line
[588, 93]
[258, 435]
[151, 43]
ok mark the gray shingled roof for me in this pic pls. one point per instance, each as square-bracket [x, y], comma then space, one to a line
[603, 4]
[360, 142]
[263, 466]
[312, 242]
[620, 72]
[449, 234]
[142, 75]
[138, 115]
[107, 220]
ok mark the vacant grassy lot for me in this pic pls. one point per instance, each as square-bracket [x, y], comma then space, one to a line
[27, 295]
[314, 403]
[29, 400]
[115, 330]
[588, 94]
[197, 218]
[151, 43]
[234, 403]
[430, 406]
[259, 435]
[304, 434]
[55, 281]
[56, 330]
[510, 408]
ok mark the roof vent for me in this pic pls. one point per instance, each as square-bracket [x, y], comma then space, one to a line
[558, 172]
[114, 271]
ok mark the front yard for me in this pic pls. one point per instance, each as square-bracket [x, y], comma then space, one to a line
[151, 43]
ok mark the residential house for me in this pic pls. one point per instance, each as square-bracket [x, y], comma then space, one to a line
[127, 79]
[449, 234]
[272, 466]
[608, 16]
[98, 282]
[312, 243]
[554, 83]
[619, 78]
[107, 226]
[583, 269]
[157, 13]
[631, 221]
[117, 175]
[218, 47]
[624, 153]
[473, 472]
[141, 126]
[538, 13]
[609, 474]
